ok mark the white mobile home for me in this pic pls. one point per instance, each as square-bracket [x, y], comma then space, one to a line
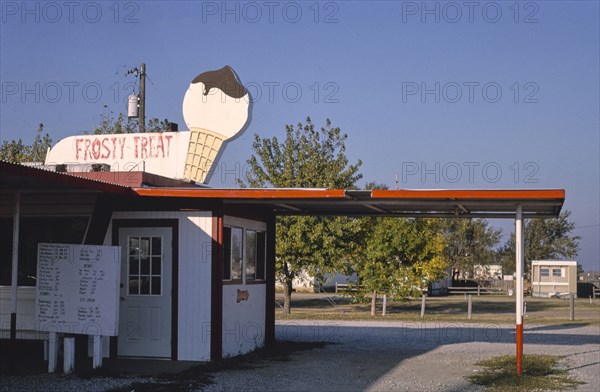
[553, 278]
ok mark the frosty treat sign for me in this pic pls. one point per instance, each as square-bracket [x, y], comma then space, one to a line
[216, 108]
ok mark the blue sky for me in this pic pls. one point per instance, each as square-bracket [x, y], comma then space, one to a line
[442, 94]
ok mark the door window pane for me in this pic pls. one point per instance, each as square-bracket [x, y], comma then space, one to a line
[157, 246]
[156, 281]
[145, 285]
[145, 266]
[134, 266]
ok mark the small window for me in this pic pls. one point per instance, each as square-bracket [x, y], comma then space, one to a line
[226, 253]
[236, 253]
[545, 272]
[557, 272]
[243, 251]
[260, 255]
[250, 254]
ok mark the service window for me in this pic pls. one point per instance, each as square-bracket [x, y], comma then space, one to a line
[32, 231]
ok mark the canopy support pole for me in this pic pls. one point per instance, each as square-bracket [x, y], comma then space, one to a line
[520, 256]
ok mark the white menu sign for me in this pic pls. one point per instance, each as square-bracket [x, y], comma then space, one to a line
[78, 289]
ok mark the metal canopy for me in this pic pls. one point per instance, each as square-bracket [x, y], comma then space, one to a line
[481, 203]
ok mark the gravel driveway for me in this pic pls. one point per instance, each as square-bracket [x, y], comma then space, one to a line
[369, 356]
[399, 356]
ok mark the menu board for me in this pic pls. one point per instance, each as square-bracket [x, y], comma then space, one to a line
[78, 289]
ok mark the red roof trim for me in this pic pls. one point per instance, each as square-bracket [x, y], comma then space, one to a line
[491, 194]
[204, 193]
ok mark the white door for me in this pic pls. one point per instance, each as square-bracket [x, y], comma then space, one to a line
[145, 310]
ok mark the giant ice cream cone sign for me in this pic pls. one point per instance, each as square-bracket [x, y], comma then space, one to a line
[215, 109]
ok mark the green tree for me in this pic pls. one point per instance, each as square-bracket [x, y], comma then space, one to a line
[470, 242]
[400, 257]
[544, 239]
[307, 158]
[16, 151]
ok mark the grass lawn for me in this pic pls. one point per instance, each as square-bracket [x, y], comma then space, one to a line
[540, 372]
[497, 309]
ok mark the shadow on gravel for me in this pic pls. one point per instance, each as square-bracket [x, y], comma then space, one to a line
[559, 327]
[367, 352]
[199, 375]
[161, 375]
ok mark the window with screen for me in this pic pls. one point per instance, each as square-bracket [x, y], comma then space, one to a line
[544, 272]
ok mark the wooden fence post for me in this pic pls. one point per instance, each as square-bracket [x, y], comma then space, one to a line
[572, 307]
[470, 307]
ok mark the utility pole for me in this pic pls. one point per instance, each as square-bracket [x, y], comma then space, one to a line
[142, 114]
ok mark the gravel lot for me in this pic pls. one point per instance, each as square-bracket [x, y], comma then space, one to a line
[397, 356]
[373, 356]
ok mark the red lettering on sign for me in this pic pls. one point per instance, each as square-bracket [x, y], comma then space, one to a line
[160, 147]
[77, 149]
[122, 145]
[114, 150]
[144, 148]
[86, 149]
[106, 153]
[135, 142]
[168, 137]
[96, 147]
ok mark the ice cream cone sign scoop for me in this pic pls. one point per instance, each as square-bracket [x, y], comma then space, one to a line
[215, 109]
